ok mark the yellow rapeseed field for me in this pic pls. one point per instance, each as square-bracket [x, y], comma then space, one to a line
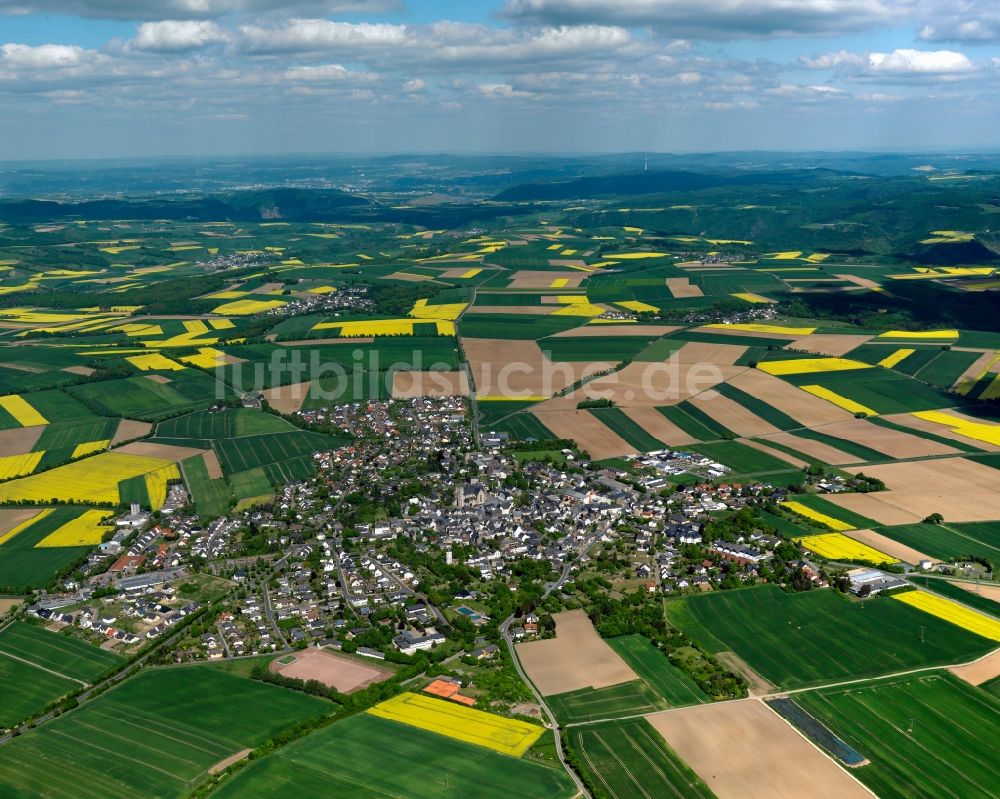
[841, 402]
[508, 736]
[95, 479]
[752, 327]
[90, 447]
[953, 612]
[980, 431]
[804, 366]
[785, 256]
[899, 355]
[638, 306]
[747, 296]
[231, 294]
[207, 358]
[17, 465]
[13, 531]
[247, 307]
[578, 309]
[154, 361]
[816, 516]
[838, 546]
[909, 334]
[370, 327]
[445, 328]
[22, 411]
[221, 324]
[559, 282]
[635, 256]
[156, 483]
[449, 311]
[195, 326]
[85, 530]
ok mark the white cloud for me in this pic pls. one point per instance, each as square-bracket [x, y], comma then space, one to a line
[833, 60]
[973, 21]
[502, 91]
[178, 35]
[44, 56]
[919, 62]
[189, 9]
[414, 85]
[312, 35]
[324, 73]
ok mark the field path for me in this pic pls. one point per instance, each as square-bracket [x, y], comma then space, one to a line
[5, 653]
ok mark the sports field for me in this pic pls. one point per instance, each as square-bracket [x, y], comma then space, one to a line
[153, 736]
[630, 759]
[925, 735]
[796, 640]
[68, 657]
[504, 735]
[365, 756]
[659, 673]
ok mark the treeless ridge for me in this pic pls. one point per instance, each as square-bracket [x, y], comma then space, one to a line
[407, 384]
[960, 490]
[576, 658]
[743, 750]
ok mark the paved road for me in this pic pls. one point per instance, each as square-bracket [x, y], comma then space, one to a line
[268, 614]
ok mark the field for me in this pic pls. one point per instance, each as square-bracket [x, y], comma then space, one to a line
[656, 669]
[154, 735]
[629, 758]
[925, 735]
[615, 701]
[838, 546]
[343, 673]
[24, 565]
[68, 657]
[743, 750]
[742, 459]
[621, 424]
[142, 398]
[982, 596]
[365, 756]
[25, 690]
[503, 735]
[948, 541]
[796, 640]
[576, 658]
[952, 612]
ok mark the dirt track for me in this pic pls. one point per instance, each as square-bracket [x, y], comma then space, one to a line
[576, 658]
[743, 750]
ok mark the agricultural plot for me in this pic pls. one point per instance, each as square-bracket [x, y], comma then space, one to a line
[366, 756]
[26, 690]
[949, 542]
[23, 564]
[953, 612]
[248, 452]
[597, 704]
[837, 546]
[629, 758]
[628, 429]
[655, 668]
[796, 640]
[68, 657]
[154, 735]
[983, 597]
[694, 421]
[744, 460]
[211, 497]
[142, 398]
[924, 735]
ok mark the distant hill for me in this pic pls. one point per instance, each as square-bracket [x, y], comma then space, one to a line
[950, 254]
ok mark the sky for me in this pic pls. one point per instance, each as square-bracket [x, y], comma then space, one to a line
[112, 78]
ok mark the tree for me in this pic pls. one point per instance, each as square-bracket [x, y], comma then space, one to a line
[934, 518]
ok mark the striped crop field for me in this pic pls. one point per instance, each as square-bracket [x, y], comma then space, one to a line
[952, 611]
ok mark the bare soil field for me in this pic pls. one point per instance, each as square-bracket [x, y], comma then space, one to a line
[990, 591]
[814, 449]
[800, 405]
[20, 367]
[576, 658]
[893, 443]
[222, 765]
[658, 426]
[212, 465]
[407, 385]
[86, 371]
[129, 429]
[589, 432]
[161, 379]
[978, 366]
[777, 453]
[511, 367]
[6, 603]
[833, 344]
[864, 282]
[20, 439]
[704, 352]
[287, 399]
[167, 452]
[982, 670]
[944, 431]
[681, 288]
[343, 674]
[568, 262]
[543, 279]
[411, 277]
[743, 750]
[12, 517]
[733, 416]
[615, 331]
[890, 547]
[960, 490]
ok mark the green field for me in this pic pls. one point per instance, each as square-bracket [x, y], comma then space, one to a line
[248, 452]
[882, 390]
[141, 398]
[656, 669]
[615, 701]
[949, 541]
[67, 656]
[694, 421]
[229, 423]
[23, 567]
[616, 420]
[629, 759]
[756, 406]
[818, 503]
[743, 460]
[154, 735]
[365, 756]
[26, 690]
[211, 497]
[250, 483]
[925, 735]
[797, 640]
[68, 434]
[521, 426]
[594, 349]
[949, 589]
